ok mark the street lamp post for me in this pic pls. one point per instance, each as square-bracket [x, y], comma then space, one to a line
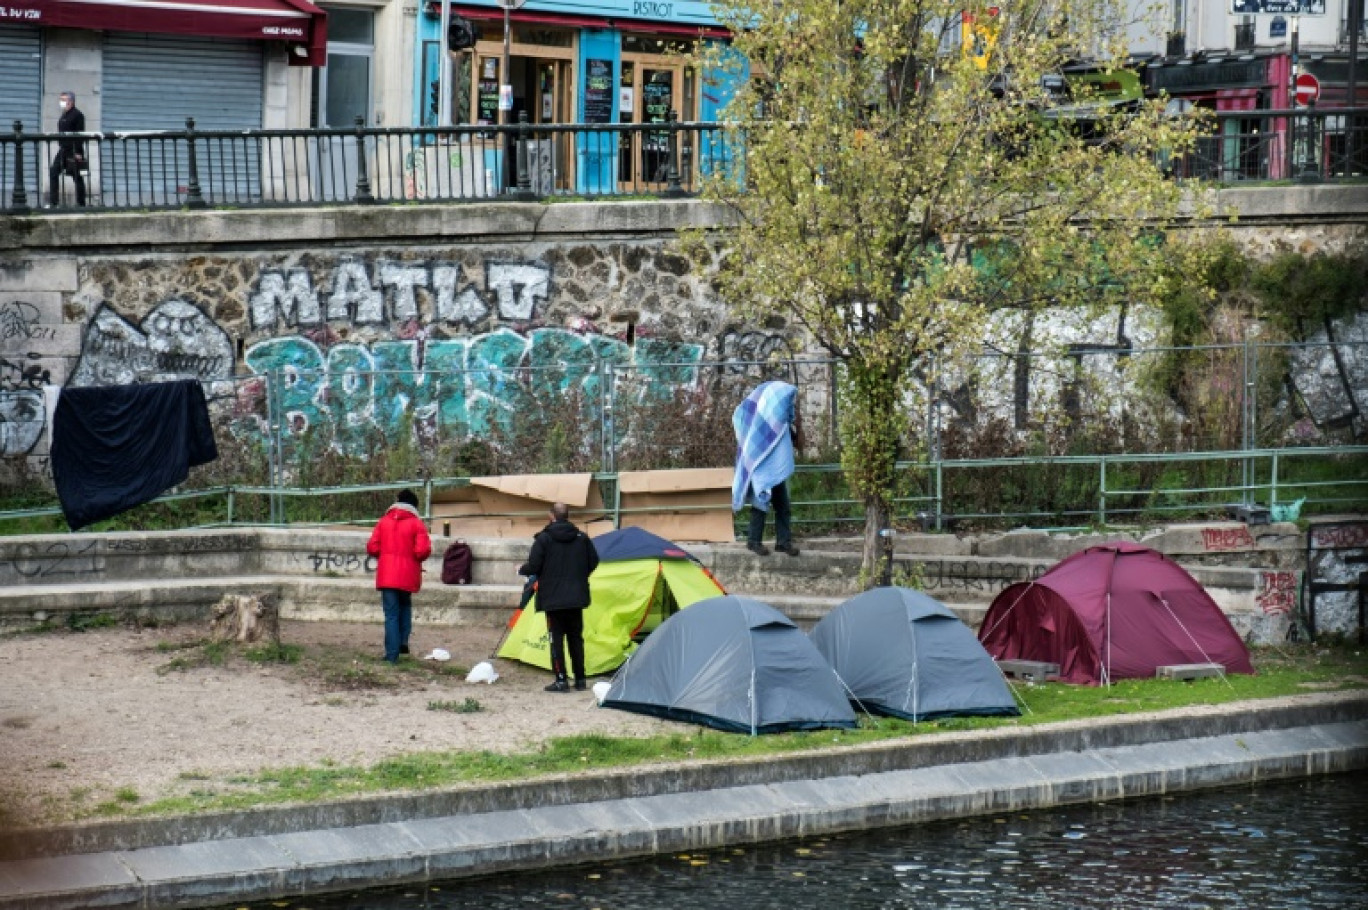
[505, 81]
[506, 90]
[444, 69]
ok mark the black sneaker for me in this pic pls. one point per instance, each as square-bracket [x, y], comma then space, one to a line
[758, 549]
[788, 548]
[403, 649]
[559, 685]
[581, 685]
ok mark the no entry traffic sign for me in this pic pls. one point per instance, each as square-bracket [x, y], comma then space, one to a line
[1308, 89]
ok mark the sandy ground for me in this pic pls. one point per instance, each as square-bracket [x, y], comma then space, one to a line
[86, 715]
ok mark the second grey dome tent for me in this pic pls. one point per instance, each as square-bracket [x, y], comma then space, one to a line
[904, 654]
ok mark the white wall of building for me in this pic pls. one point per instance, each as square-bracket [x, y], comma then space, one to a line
[1210, 25]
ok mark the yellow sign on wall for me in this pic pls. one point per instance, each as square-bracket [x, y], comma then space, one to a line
[978, 35]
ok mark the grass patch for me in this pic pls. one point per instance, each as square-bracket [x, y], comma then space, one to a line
[358, 676]
[469, 706]
[274, 653]
[166, 647]
[201, 653]
[1281, 671]
[74, 622]
[83, 622]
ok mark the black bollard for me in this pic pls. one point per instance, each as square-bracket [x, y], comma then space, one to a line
[193, 197]
[363, 187]
[886, 535]
[524, 169]
[673, 189]
[18, 195]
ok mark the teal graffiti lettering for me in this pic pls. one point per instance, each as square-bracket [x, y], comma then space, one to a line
[373, 396]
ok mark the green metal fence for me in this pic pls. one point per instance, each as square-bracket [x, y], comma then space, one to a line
[1068, 438]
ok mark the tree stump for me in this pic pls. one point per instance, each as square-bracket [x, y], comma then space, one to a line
[245, 618]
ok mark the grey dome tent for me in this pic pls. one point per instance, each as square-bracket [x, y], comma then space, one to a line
[734, 664]
[904, 654]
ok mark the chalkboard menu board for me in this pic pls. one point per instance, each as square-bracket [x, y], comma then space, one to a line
[598, 91]
[488, 111]
[657, 99]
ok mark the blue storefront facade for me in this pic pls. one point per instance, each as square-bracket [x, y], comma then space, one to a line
[574, 62]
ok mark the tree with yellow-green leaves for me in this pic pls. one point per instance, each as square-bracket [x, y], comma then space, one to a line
[911, 169]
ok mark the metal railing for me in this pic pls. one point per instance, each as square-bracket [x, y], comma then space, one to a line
[191, 168]
[1309, 145]
[930, 502]
[1063, 439]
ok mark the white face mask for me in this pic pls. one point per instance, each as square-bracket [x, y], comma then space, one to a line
[64, 104]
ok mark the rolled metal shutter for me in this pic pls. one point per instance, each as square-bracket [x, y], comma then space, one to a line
[154, 82]
[21, 98]
[21, 75]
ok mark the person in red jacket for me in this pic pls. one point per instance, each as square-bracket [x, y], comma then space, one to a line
[400, 543]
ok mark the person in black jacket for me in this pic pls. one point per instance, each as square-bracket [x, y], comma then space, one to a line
[563, 557]
[70, 158]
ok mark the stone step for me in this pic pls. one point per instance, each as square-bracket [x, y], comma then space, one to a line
[318, 574]
[330, 599]
[190, 600]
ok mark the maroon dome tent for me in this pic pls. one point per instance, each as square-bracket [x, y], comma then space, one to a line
[1115, 611]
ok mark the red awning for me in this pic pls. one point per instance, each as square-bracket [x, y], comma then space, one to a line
[664, 28]
[567, 19]
[572, 20]
[295, 22]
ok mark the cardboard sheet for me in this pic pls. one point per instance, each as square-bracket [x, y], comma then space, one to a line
[686, 505]
[515, 506]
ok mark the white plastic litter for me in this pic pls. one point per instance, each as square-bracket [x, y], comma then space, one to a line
[601, 690]
[437, 654]
[482, 672]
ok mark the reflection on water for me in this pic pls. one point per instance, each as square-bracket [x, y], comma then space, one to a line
[1302, 844]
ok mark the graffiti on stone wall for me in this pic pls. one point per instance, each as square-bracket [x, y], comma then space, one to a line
[291, 298]
[1330, 375]
[174, 341]
[1051, 362]
[22, 420]
[22, 415]
[1224, 539]
[450, 387]
[455, 386]
[739, 349]
[20, 321]
[364, 352]
[1277, 592]
[1337, 576]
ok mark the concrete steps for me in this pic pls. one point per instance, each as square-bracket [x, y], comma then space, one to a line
[188, 600]
[334, 599]
[325, 574]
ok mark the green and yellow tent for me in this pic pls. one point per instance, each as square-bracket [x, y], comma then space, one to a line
[641, 580]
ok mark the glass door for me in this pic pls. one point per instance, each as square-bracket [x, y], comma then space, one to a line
[551, 157]
[653, 90]
[659, 92]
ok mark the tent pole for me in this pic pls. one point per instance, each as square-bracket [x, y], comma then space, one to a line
[1111, 576]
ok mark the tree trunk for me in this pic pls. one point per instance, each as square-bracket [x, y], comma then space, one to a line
[872, 426]
[872, 553]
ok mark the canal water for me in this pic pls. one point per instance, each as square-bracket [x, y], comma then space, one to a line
[1298, 845]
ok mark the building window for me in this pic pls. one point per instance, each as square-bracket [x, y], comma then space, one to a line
[342, 89]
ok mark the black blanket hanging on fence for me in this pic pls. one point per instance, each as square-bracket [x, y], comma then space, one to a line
[116, 447]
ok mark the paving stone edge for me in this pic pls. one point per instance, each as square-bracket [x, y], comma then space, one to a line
[671, 778]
